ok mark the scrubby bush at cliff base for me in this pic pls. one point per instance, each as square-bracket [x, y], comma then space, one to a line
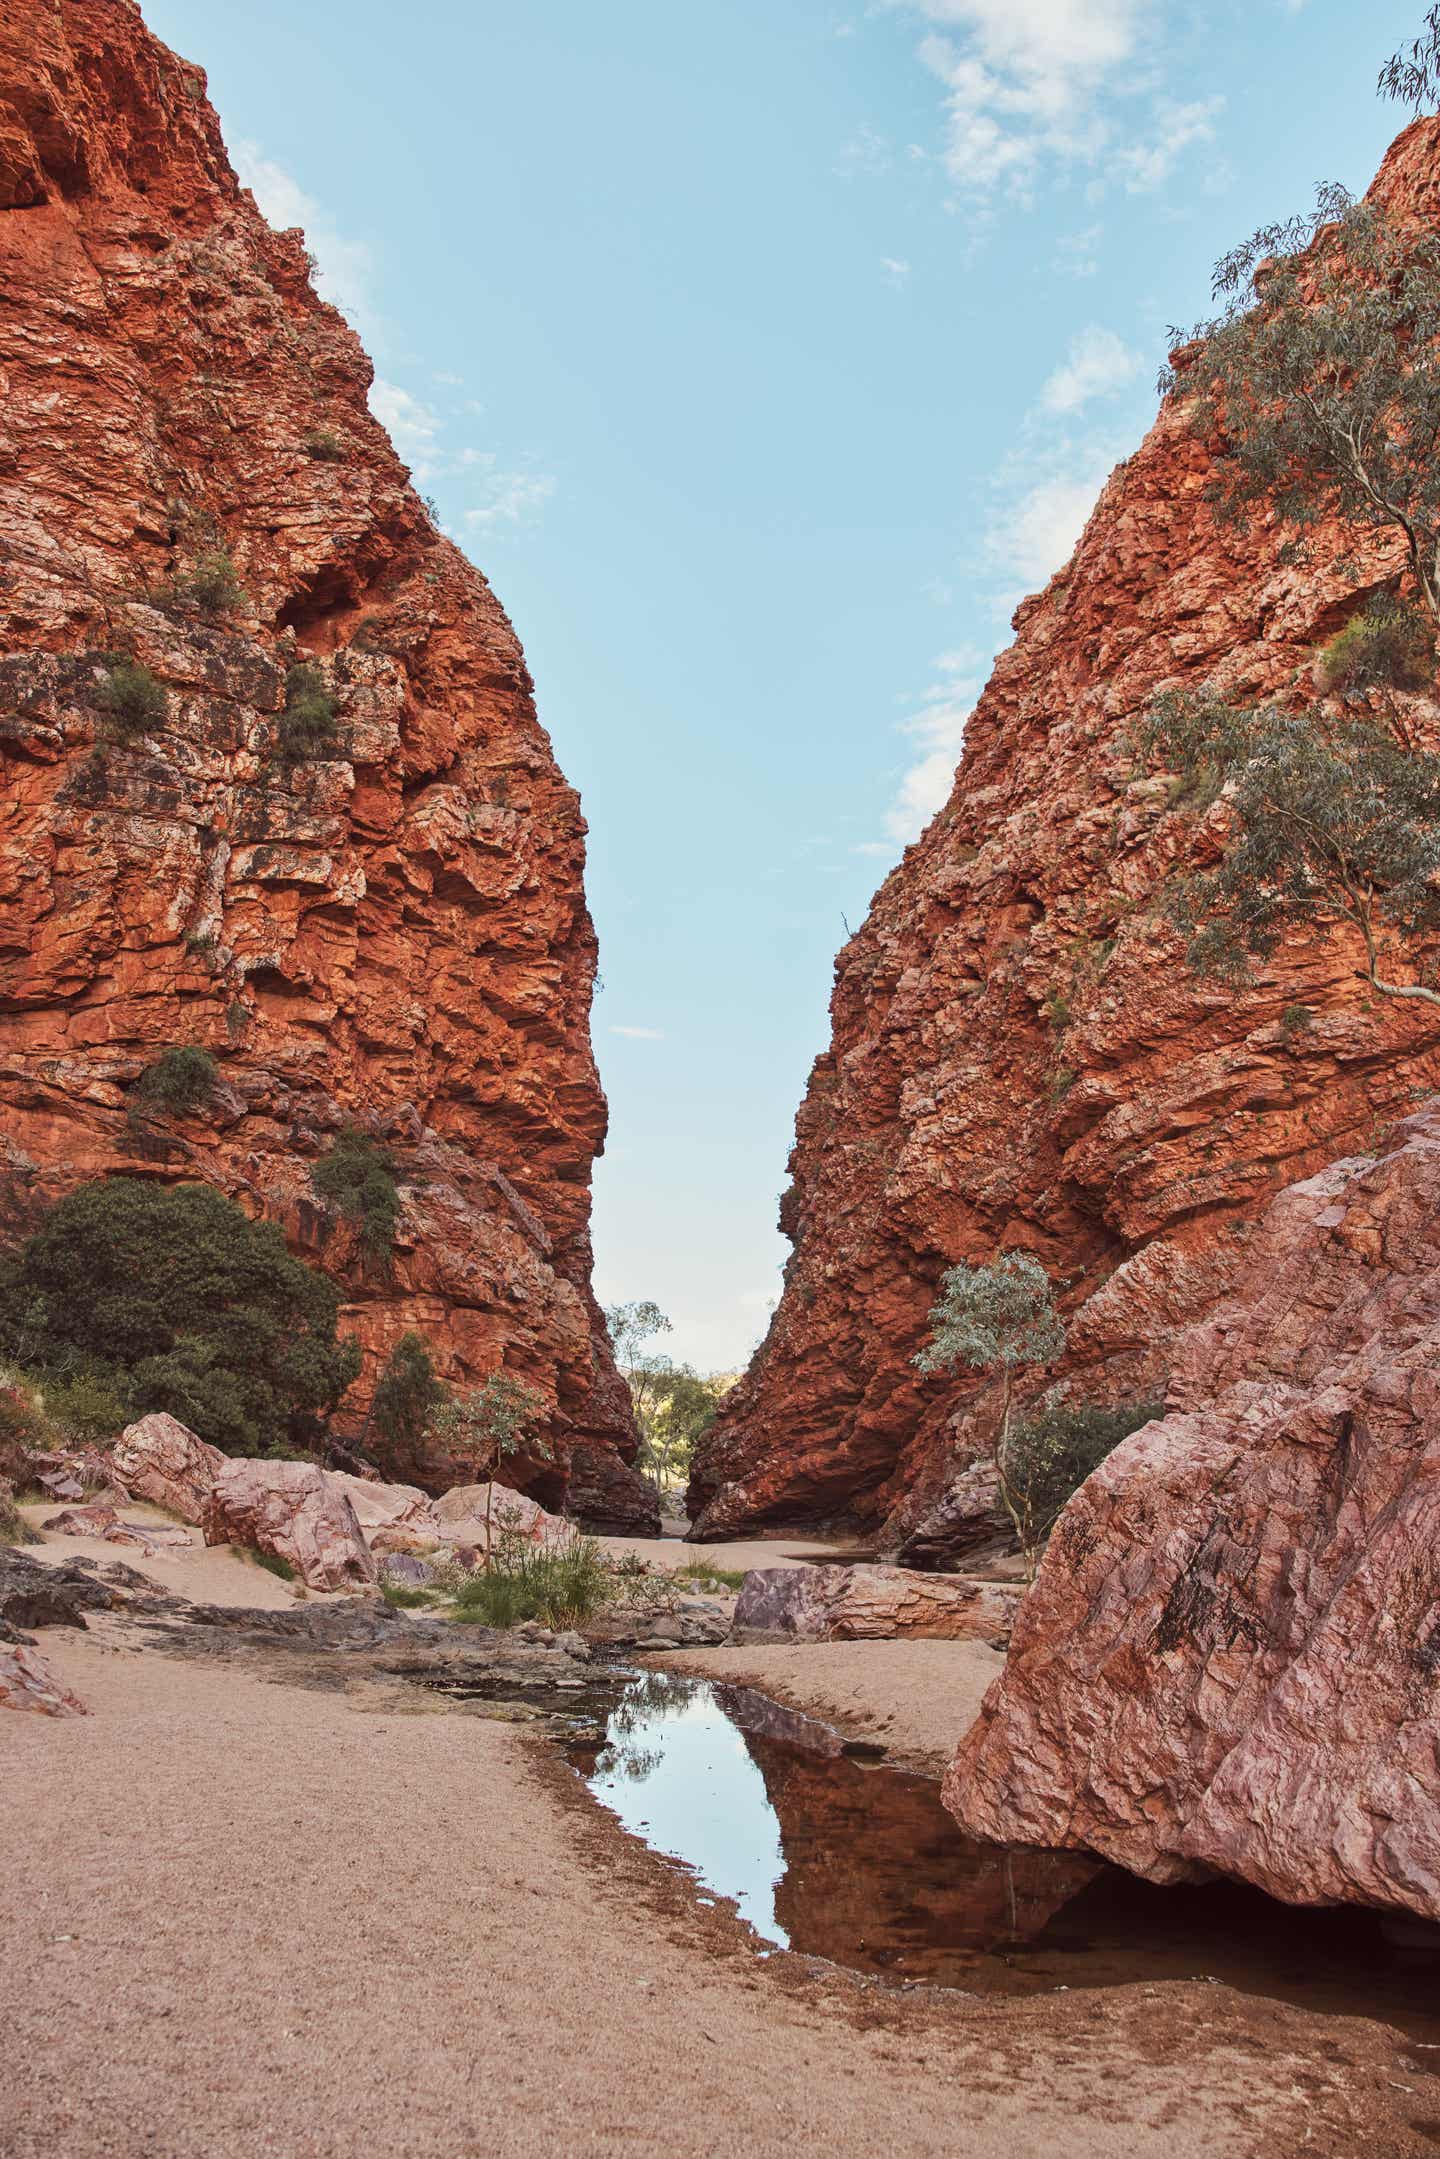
[171, 1298]
[1045, 1459]
[559, 1586]
[407, 1396]
[357, 1176]
[180, 1081]
[133, 700]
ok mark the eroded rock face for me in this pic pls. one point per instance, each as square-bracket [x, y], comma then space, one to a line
[862, 1603]
[160, 1459]
[296, 1512]
[393, 931]
[1231, 1656]
[27, 1682]
[392, 1517]
[1019, 1054]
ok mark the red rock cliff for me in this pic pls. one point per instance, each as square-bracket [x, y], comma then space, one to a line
[1020, 1055]
[395, 932]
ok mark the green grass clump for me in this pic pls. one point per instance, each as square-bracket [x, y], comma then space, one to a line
[560, 1587]
[179, 1082]
[325, 446]
[133, 700]
[1389, 647]
[403, 1597]
[701, 1575]
[274, 1564]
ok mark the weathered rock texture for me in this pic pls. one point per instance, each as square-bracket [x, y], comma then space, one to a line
[866, 1604]
[160, 1459]
[394, 933]
[1020, 1055]
[297, 1513]
[1231, 1656]
[27, 1682]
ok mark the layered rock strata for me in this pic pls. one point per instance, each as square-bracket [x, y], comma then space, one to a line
[1231, 1656]
[387, 927]
[1020, 1056]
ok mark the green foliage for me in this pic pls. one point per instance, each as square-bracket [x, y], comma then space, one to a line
[994, 1318]
[211, 584]
[1057, 1010]
[699, 1574]
[24, 1430]
[1388, 647]
[561, 1586]
[1315, 389]
[325, 446]
[172, 1298]
[235, 1018]
[133, 700]
[274, 1563]
[1295, 1019]
[1329, 818]
[179, 1082]
[1046, 1459]
[674, 1405]
[84, 1411]
[1412, 75]
[487, 1424]
[407, 1395]
[357, 1176]
[307, 726]
[403, 1597]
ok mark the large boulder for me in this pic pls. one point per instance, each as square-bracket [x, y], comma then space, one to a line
[460, 1516]
[864, 1603]
[393, 1517]
[1231, 1656]
[162, 1460]
[294, 1511]
[27, 1682]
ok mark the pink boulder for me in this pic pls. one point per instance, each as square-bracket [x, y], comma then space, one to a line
[867, 1604]
[1231, 1656]
[296, 1512]
[27, 1682]
[103, 1522]
[160, 1459]
[460, 1515]
[393, 1517]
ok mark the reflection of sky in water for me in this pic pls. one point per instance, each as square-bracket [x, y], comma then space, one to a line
[677, 1772]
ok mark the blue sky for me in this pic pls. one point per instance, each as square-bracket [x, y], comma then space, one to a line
[763, 356]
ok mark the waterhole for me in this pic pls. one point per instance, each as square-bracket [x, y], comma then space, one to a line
[826, 1853]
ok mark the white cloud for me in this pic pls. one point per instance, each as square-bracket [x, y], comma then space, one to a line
[1143, 167]
[345, 266]
[895, 271]
[872, 847]
[510, 497]
[865, 153]
[1077, 254]
[1097, 364]
[938, 729]
[640, 1034]
[1036, 534]
[412, 425]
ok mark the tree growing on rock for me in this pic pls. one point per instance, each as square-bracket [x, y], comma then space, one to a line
[1330, 818]
[1000, 1317]
[408, 1395]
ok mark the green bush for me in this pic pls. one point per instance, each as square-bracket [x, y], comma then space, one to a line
[133, 700]
[1388, 647]
[325, 446]
[84, 1411]
[407, 1395]
[24, 1431]
[174, 1299]
[307, 726]
[1044, 1461]
[357, 1176]
[179, 1082]
[211, 584]
[403, 1596]
[273, 1563]
[699, 1574]
[560, 1586]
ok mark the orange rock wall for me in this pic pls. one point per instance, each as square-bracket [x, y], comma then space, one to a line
[397, 933]
[1019, 1054]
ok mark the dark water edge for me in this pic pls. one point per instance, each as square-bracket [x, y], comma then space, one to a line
[836, 1857]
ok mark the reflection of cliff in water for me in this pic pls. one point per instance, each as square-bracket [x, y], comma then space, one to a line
[878, 1876]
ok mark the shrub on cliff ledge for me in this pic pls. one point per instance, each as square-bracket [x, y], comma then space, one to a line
[174, 1299]
[1330, 820]
[1047, 1458]
[1388, 647]
[307, 725]
[179, 1082]
[133, 700]
[357, 1176]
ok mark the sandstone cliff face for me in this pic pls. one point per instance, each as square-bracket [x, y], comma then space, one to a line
[1231, 1656]
[395, 932]
[1020, 1055]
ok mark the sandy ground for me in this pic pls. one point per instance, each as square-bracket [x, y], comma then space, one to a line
[796, 1551]
[919, 1697]
[240, 1918]
[215, 1574]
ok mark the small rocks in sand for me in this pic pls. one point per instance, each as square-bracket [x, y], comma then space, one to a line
[27, 1682]
[296, 1512]
[104, 1522]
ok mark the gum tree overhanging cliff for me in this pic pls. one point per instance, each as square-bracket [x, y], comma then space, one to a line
[1020, 1055]
[274, 783]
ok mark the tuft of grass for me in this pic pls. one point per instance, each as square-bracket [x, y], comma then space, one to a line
[560, 1586]
[179, 1082]
[133, 701]
[701, 1575]
[307, 726]
[325, 446]
[403, 1597]
[274, 1564]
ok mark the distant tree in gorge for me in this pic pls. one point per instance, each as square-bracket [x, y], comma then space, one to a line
[1000, 1317]
[407, 1396]
[488, 1424]
[673, 1403]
